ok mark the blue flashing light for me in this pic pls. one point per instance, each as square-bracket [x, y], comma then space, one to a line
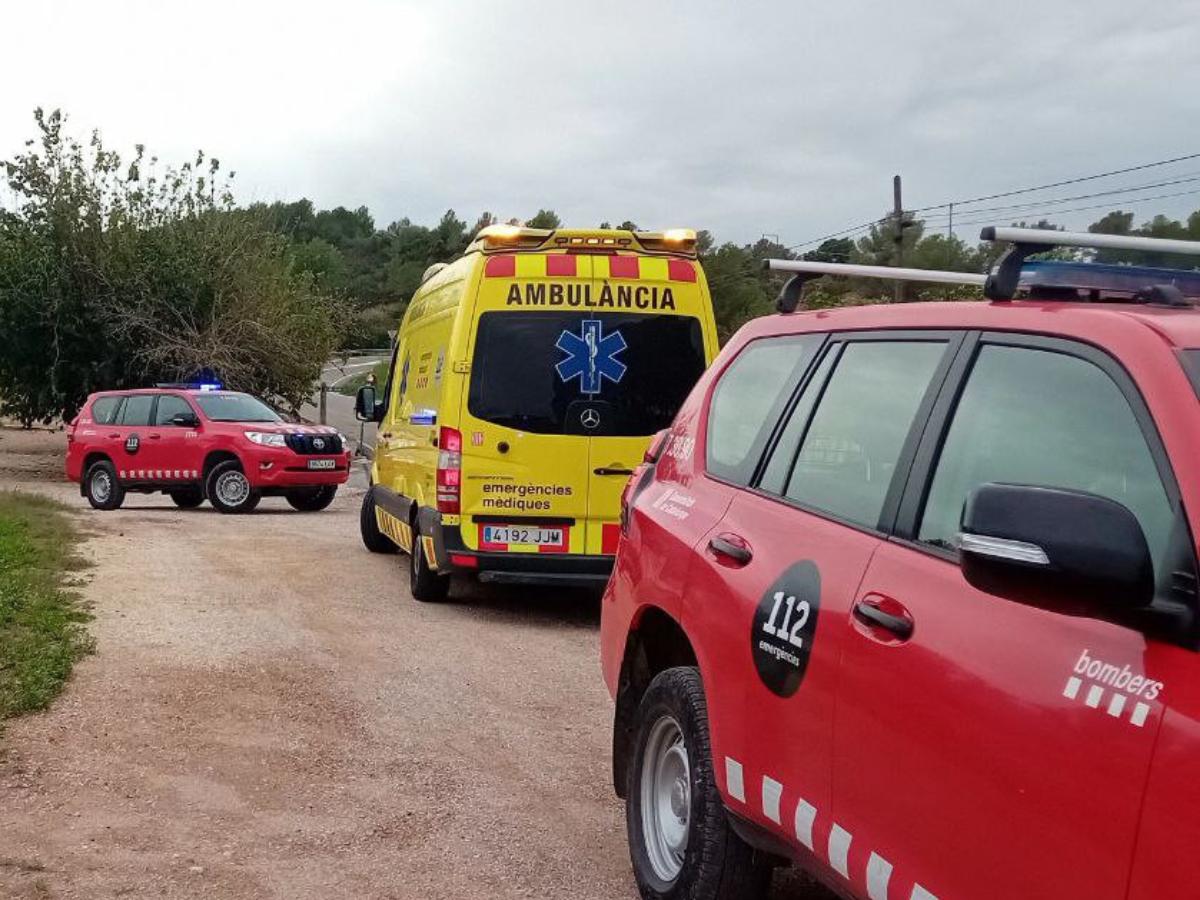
[210, 386]
[1108, 279]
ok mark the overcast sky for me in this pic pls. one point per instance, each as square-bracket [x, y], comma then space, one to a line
[744, 118]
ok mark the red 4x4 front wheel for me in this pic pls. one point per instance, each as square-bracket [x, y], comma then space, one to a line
[679, 836]
[229, 490]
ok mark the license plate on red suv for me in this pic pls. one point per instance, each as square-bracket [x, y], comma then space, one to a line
[322, 463]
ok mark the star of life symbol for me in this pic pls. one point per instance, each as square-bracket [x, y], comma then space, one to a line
[591, 356]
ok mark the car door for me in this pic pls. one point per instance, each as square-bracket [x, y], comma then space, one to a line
[985, 748]
[176, 449]
[775, 578]
[131, 453]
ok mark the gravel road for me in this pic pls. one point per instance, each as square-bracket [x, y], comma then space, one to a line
[270, 715]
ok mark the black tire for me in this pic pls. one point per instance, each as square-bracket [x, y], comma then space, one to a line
[373, 539]
[716, 864]
[311, 499]
[222, 496]
[101, 487]
[187, 498]
[426, 585]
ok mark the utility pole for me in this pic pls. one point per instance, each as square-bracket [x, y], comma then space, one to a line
[950, 227]
[899, 214]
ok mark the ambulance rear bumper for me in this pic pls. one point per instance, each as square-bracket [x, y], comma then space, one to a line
[524, 568]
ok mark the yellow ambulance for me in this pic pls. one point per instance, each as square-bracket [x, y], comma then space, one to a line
[526, 381]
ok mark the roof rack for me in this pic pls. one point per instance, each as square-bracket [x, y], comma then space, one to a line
[1012, 271]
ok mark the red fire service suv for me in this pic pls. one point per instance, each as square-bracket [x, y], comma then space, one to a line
[192, 443]
[907, 595]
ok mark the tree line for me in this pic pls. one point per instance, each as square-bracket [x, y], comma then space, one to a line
[118, 273]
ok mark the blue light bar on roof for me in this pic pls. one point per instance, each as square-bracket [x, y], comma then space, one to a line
[1107, 279]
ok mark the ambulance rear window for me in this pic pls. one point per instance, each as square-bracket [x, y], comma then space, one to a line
[574, 373]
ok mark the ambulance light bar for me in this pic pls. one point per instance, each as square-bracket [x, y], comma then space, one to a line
[680, 241]
[509, 237]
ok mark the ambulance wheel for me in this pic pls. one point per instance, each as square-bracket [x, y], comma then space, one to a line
[373, 539]
[426, 585]
[101, 486]
[229, 489]
[680, 840]
[311, 499]
[188, 498]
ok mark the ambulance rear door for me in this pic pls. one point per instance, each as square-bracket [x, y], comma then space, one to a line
[650, 352]
[525, 474]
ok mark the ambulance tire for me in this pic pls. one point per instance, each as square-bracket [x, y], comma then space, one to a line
[311, 499]
[187, 498]
[426, 585]
[373, 539]
[101, 486]
[229, 490]
[672, 749]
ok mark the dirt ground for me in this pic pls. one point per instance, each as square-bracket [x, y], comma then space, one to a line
[269, 714]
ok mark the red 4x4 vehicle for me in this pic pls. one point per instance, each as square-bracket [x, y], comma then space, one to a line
[908, 595]
[191, 444]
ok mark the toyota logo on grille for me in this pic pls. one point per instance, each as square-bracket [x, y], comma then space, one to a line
[590, 419]
[318, 443]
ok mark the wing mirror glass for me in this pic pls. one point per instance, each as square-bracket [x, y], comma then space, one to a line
[366, 406]
[185, 420]
[1055, 548]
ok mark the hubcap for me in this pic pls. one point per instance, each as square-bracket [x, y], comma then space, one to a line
[101, 486]
[233, 488]
[666, 798]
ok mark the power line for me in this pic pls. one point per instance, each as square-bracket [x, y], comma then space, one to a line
[855, 230]
[1131, 200]
[1050, 202]
[1043, 187]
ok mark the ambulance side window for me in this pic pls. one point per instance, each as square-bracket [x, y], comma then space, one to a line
[748, 400]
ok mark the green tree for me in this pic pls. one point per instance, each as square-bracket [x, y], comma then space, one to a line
[544, 218]
[109, 279]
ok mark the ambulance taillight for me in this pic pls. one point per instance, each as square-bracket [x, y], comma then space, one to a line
[449, 470]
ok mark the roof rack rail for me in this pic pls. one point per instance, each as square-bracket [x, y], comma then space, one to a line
[1002, 283]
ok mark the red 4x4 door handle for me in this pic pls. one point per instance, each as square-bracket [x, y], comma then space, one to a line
[732, 547]
[868, 612]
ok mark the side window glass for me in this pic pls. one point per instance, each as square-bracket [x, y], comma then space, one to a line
[1082, 435]
[136, 410]
[849, 453]
[741, 413]
[779, 466]
[169, 406]
[104, 409]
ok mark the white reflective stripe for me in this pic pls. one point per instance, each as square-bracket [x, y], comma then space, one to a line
[1095, 692]
[919, 893]
[806, 814]
[1071, 691]
[733, 779]
[839, 850]
[1140, 712]
[772, 793]
[1116, 704]
[879, 873]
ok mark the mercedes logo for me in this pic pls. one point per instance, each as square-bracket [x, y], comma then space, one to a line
[318, 443]
[590, 419]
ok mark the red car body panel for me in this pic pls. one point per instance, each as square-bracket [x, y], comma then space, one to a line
[958, 763]
[169, 455]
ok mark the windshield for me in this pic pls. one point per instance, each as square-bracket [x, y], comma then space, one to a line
[571, 373]
[235, 408]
